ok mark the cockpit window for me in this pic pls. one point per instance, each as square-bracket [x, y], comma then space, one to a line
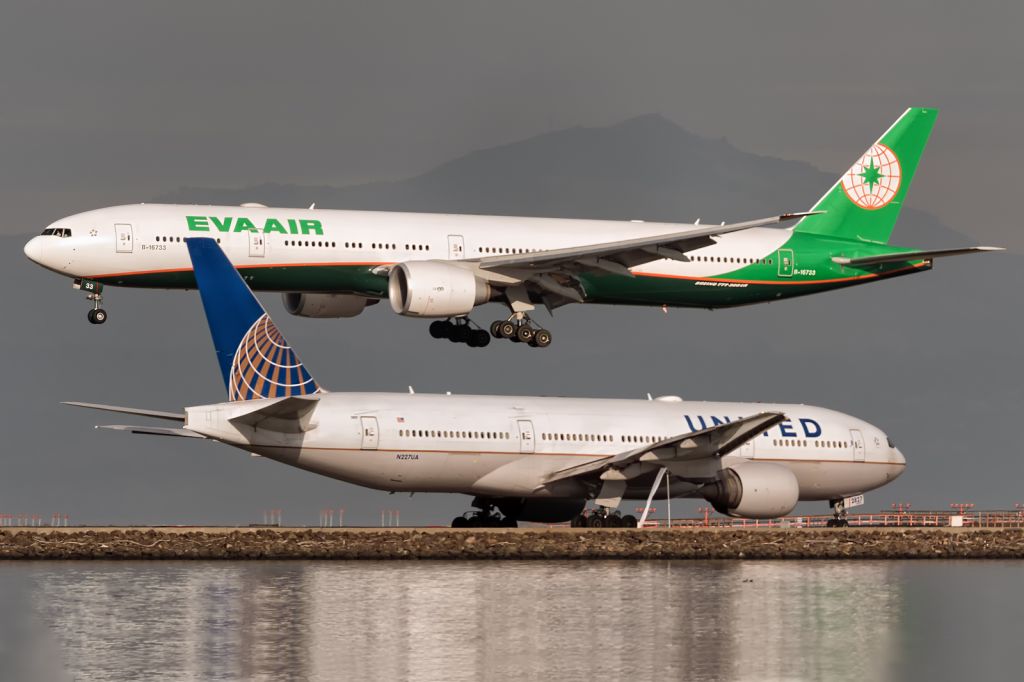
[891, 444]
[58, 231]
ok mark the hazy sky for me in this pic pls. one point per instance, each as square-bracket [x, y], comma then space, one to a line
[107, 103]
[117, 102]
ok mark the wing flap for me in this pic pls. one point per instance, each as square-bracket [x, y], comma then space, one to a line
[913, 255]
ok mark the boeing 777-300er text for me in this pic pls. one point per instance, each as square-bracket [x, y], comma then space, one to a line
[334, 263]
[533, 459]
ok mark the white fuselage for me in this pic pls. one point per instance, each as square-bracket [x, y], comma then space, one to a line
[508, 446]
[146, 239]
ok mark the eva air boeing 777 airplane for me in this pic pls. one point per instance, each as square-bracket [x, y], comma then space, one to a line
[333, 263]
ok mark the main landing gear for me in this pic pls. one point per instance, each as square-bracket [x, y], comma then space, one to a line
[95, 294]
[487, 517]
[839, 514]
[519, 328]
[460, 330]
[604, 518]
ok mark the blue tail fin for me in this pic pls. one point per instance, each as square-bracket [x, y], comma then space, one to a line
[254, 357]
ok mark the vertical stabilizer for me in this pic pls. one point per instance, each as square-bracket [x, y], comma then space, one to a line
[255, 359]
[866, 201]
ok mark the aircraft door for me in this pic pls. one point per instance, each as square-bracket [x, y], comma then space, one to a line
[368, 425]
[257, 245]
[456, 247]
[786, 262]
[857, 440]
[123, 235]
[525, 436]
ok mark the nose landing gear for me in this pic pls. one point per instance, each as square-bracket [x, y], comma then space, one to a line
[519, 328]
[95, 294]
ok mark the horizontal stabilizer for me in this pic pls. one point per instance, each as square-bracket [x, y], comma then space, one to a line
[715, 441]
[155, 414]
[290, 415]
[153, 431]
[913, 255]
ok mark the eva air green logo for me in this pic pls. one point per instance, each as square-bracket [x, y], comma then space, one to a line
[872, 182]
[204, 223]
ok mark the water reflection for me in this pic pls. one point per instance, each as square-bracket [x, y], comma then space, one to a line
[451, 620]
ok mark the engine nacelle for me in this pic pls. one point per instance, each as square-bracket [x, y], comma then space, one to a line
[433, 289]
[540, 510]
[323, 305]
[754, 490]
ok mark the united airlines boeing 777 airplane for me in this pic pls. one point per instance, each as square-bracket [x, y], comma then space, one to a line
[532, 459]
[335, 263]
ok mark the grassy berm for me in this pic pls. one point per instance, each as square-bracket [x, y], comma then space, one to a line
[556, 543]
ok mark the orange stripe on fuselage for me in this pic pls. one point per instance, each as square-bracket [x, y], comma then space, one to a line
[237, 267]
[654, 275]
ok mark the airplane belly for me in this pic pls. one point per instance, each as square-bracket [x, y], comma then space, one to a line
[823, 480]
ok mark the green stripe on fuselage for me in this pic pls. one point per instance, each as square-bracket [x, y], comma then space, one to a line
[813, 272]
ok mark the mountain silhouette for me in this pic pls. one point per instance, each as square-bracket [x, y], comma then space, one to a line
[644, 168]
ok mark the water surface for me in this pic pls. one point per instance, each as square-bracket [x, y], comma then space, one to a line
[501, 620]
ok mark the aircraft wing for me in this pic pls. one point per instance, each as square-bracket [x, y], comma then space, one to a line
[554, 271]
[155, 414]
[619, 255]
[913, 255]
[715, 441]
[153, 431]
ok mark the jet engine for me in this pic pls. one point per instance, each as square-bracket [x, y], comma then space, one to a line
[755, 490]
[433, 289]
[540, 510]
[324, 305]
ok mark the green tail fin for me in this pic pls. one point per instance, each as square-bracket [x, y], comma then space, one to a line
[866, 201]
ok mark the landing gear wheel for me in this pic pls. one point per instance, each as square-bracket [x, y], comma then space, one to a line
[460, 522]
[459, 333]
[496, 329]
[629, 521]
[507, 330]
[97, 316]
[595, 521]
[524, 334]
[440, 329]
[478, 338]
[578, 521]
[613, 521]
[541, 338]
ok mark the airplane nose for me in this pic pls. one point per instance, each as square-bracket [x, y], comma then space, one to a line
[34, 250]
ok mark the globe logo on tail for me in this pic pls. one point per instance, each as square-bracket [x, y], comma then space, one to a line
[265, 366]
[873, 181]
